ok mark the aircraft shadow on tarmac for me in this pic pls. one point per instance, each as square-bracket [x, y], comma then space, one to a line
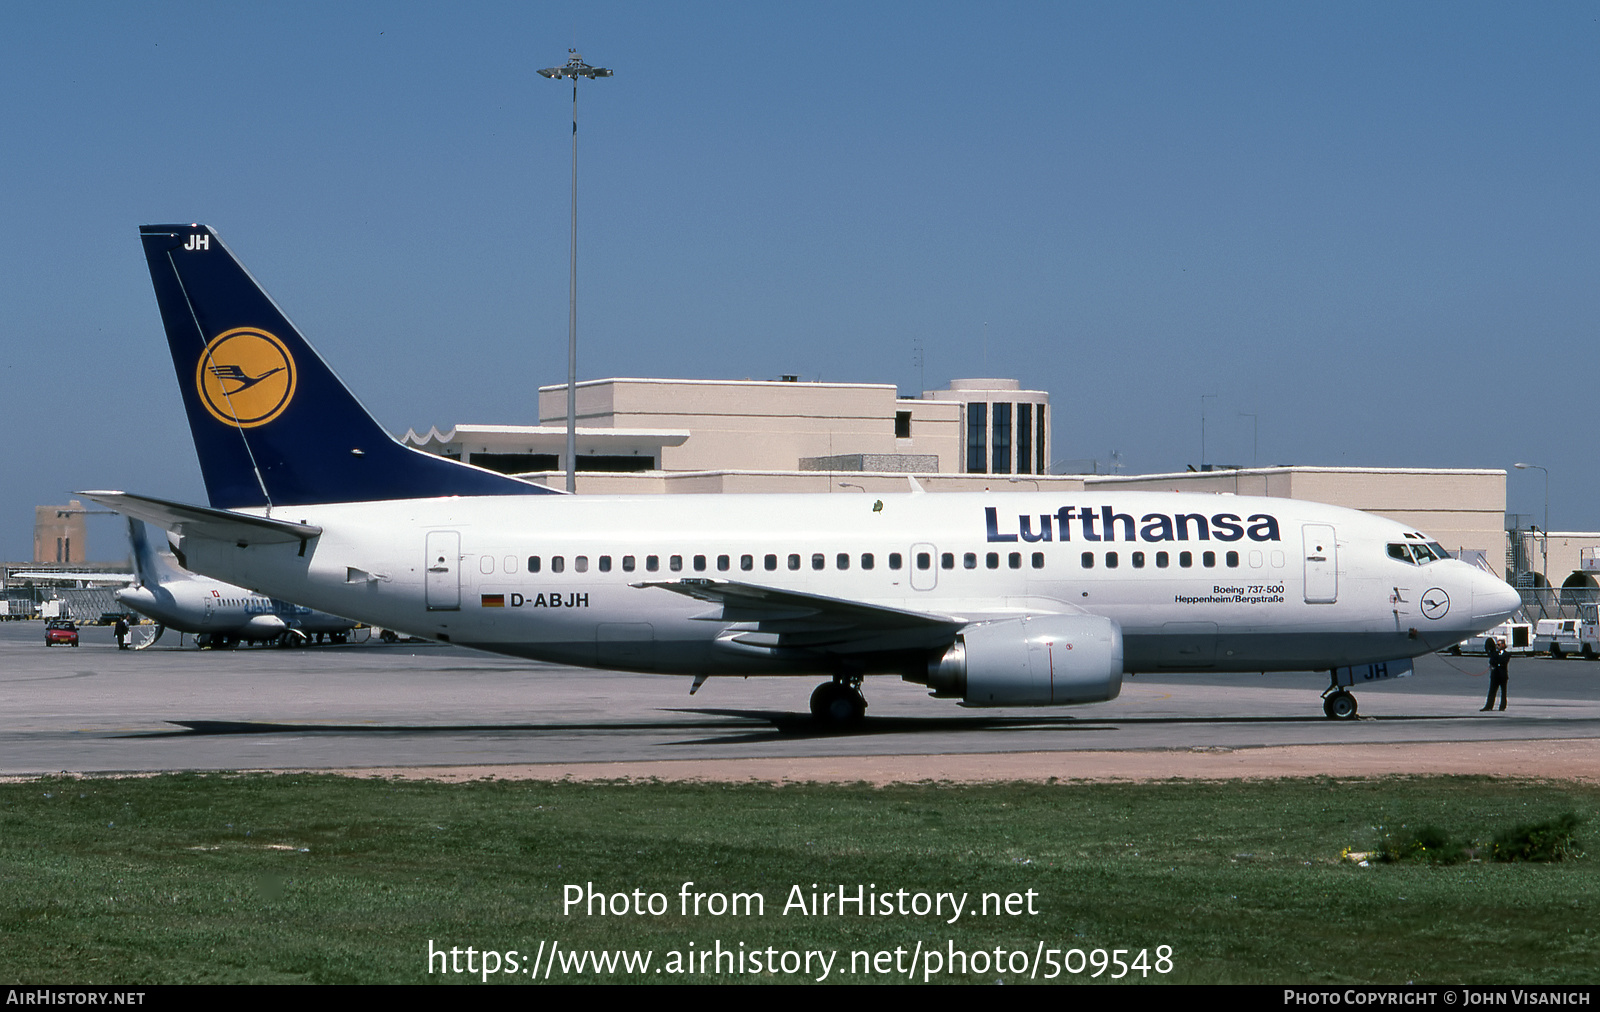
[754, 726]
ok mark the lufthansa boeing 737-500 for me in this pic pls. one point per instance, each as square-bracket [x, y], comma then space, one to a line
[1013, 599]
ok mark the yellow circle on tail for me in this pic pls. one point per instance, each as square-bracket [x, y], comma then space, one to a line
[246, 377]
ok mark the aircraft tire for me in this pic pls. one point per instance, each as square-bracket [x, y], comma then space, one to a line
[837, 705]
[1340, 705]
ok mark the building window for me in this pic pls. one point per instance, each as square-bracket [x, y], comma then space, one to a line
[977, 437]
[1024, 438]
[902, 425]
[1038, 445]
[1002, 439]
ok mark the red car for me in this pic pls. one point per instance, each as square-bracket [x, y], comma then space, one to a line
[61, 632]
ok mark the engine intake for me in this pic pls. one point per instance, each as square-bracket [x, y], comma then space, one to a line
[1045, 660]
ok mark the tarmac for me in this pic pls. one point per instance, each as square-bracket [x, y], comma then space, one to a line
[427, 710]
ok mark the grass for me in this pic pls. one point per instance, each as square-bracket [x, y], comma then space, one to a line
[319, 879]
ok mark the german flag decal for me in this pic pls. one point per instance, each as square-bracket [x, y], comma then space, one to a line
[494, 600]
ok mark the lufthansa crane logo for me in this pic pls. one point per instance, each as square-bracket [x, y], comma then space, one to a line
[246, 377]
[1435, 603]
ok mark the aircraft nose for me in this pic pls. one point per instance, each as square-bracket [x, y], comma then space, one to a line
[1493, 600]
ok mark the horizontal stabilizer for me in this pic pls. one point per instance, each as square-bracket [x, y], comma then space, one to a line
[205, 522]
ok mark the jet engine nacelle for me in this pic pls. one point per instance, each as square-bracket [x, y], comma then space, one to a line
[1043, 660]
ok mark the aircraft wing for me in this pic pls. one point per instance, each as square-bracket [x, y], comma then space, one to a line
[767, 618]
[205, 522]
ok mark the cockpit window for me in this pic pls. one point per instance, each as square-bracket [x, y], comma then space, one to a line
[1419, 555]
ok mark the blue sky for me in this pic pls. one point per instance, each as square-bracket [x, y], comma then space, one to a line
[1373, 226]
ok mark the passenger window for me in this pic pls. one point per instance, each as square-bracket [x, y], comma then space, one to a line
[1138, 560]
[1233, 560]
[1111, 560]
[970, 560]
[652, 562]
[1015, 560]
[605, 563]
[533, 563]
[924, 560]
[992, 560]
[1088, 560]
[1038, 560]
[557, 563]
[581, 563]
[1185, 559]
[1255, 560]
[747, 562]
[699, 563]
[947, 560]
[675, 563]
[771, 562]
[1208, 559]
[866, 560]
[894, 560]
[1161, 560]
[510, 564]
[843, 561]
[794, 562]
[724, 563]
[819, 561]
[627, 563]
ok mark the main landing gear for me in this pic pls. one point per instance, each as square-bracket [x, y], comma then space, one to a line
[839, 703]
[1337, 703]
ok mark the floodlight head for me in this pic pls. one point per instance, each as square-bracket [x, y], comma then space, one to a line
[575, 69]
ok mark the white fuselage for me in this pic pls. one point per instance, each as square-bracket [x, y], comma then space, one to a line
[1194, 582]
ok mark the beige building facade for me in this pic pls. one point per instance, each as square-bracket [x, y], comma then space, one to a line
[60, 533]
[1463, 509]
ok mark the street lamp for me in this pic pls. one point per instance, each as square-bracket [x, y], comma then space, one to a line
[575, 68]
[1545, 539]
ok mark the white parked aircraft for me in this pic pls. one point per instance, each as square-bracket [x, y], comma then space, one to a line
[217, 614]
[1012, 599]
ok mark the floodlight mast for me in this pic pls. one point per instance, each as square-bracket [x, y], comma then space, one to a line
[575, 68]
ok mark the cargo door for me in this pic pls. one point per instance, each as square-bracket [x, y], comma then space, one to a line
[443, 581]
[1322, 564]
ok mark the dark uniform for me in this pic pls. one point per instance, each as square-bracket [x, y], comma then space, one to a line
[1499, 671]
[122, 633]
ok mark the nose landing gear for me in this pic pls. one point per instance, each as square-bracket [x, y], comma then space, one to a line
[1339, 705]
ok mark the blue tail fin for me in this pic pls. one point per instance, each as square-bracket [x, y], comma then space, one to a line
[272, 424]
